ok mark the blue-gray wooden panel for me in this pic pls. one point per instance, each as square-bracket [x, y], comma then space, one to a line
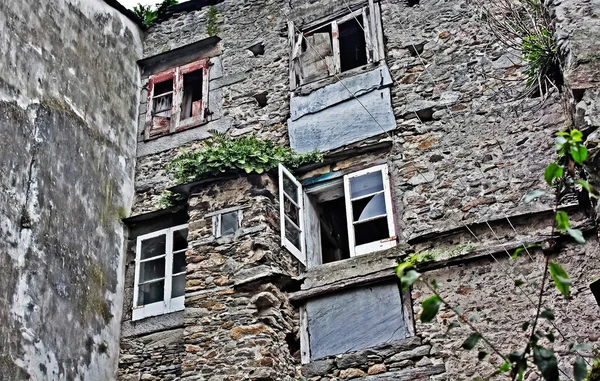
[344, 123]
[355, 319]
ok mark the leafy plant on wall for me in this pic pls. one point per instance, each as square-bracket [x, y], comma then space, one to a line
[523, 26]
[563, 180]
[247, 154]
[149, 14]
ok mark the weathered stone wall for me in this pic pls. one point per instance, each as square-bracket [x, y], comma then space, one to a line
[244, 75]
[237, 319]
[68, 101]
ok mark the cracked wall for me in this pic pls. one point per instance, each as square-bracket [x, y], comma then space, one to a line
[68, 101]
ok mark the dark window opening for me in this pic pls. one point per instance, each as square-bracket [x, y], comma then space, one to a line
[595, 287]
[412, 3]
[192, 95]
[353, 46]
[163, 99]
[334, 230]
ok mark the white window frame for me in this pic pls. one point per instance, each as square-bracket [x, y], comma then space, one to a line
[298, 252]
[216, 221]
[307, 222]
[168, 304]
[371, 15]
[385, 243]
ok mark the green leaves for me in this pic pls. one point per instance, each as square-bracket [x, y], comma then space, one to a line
[560, 277]
[222, 153]
[431, 306]
[588, 187]
[579, 369]
[407, 274]
[471, 341]
[553, 171]
[562, 221]
[578, 153]
[518, 250]
[546, 362]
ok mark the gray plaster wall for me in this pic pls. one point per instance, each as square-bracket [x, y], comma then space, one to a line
[68, 101]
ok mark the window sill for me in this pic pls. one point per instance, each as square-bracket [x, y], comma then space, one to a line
[159, 308]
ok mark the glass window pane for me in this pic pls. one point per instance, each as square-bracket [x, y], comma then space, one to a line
[178, 286]
[366, 184]
[290, 188]
[152, 270]
[368, 207]
[293, 235]
[153, 247]
[374, 230]
[180, 240]
[151, 293]
[179, 262]
[229, 223]
[291, 211]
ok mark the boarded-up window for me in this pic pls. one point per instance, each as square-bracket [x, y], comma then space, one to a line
[177, 99]
[328, 48]
[354, 319]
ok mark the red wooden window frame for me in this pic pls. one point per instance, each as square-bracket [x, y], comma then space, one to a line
[156, 127]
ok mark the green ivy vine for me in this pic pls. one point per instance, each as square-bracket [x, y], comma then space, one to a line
[248, 154]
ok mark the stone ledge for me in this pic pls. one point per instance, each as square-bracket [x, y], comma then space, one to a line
[406, 374]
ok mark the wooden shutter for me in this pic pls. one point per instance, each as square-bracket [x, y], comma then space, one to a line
[316, 60]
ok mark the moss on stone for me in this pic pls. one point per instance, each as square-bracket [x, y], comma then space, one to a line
[437, 254]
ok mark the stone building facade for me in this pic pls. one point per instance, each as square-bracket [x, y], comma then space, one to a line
[289, 274]
[431, 113]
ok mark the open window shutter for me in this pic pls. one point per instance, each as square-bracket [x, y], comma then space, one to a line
[317, 59]
[291, 214]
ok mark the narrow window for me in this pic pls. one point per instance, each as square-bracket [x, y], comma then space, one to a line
[162, 105]
[226, 224]
[353, 46]
[192, 95]
[291, 214]
[160, 272]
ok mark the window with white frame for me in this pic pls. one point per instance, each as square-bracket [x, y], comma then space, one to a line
[337, 219]
[160, 272]
[177, 99]
[226, 223]
[325, 48]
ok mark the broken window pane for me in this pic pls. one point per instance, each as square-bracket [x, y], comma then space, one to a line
[178, 286]
[153, 247]
[152, 270]
[369, 207]
[229, 223]
[163, 99]
[355, 319]
[353, 47]
[192, 95]
[369, 183]
[151, 293]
